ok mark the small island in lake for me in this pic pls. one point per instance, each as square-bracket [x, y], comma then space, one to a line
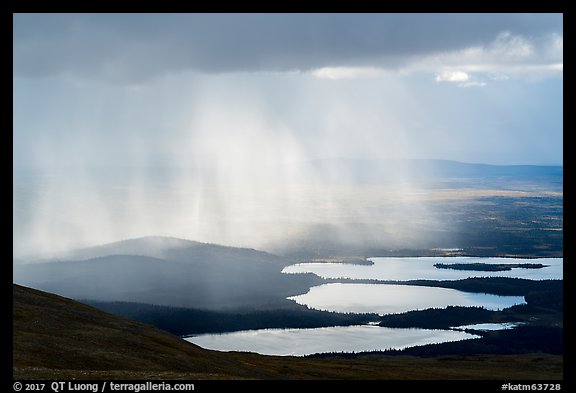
[489, 267]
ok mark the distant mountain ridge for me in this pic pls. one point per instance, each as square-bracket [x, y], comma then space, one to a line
[378, 170]
[342, 170]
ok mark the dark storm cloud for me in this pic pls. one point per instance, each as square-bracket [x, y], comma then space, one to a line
[138, 46]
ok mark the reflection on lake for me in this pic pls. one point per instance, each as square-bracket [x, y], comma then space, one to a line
[388, 299]
[300, 342]
[381, 299]
[416, 268]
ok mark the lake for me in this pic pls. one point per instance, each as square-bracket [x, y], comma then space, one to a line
[390, 298]
[416, 268]
[300, 342]
[489, 326]
[381, 299]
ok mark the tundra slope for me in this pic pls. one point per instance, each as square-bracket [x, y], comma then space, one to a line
[58, 338]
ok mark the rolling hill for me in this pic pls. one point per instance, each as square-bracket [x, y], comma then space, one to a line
[168, 271]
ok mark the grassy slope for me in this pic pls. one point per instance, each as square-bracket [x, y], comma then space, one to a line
[58, 338]
[54, 332]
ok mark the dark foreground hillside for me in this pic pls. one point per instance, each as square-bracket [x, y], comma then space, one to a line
[58, 338]
[53, 332]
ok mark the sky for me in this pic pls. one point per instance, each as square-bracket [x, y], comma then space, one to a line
[187, 89]
[227, 105]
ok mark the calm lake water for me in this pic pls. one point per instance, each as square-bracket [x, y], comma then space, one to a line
[300, 342]
[381, 299]
[415, 268]
[390, 299]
